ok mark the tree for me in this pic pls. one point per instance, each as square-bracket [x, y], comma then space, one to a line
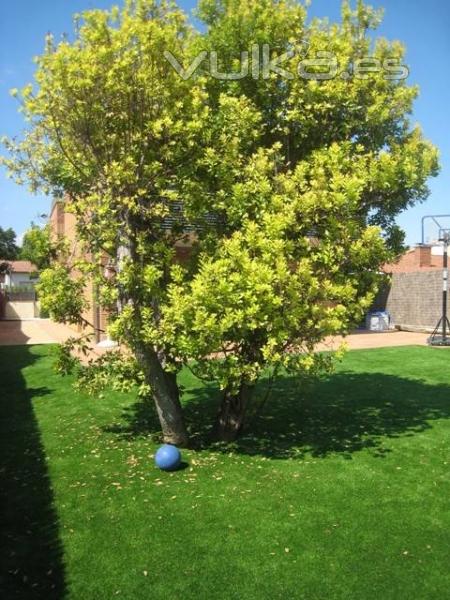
[304, 245]
[111, 127]
[8, 247]
[286, 188]
[38, 247]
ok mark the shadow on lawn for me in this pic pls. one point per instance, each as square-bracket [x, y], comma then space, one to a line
[343, 413]
[31, 565]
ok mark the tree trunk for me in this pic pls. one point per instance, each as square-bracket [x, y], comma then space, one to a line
[231, 414]
[163, 384]
[166, 397]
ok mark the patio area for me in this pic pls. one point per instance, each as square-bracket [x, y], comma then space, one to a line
[45, 331]
[33, 331]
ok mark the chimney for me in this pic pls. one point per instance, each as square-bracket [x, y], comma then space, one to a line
[424, 255]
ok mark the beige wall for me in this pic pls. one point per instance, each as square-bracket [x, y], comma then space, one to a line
[20, 310]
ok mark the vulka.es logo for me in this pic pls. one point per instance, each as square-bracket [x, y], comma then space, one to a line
[261, 63]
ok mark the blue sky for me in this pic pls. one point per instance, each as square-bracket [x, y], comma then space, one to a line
[423, 27]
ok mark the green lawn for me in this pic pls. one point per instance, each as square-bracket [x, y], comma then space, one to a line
[341, 491]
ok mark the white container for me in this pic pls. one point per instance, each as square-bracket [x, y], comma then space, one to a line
[378, 321]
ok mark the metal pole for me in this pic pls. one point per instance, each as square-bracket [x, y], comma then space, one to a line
[445, 290]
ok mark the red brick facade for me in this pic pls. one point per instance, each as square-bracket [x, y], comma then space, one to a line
[64, 223]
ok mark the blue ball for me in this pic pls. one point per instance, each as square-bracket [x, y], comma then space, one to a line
[168, 457]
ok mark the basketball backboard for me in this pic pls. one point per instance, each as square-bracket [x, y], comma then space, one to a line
[435, 229]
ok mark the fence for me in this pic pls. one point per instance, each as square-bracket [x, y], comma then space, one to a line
[20, 293]
[18, 303]
[414, 300]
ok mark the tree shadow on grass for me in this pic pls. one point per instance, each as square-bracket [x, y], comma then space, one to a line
[141, 420]
[31, 564]
[343, 413]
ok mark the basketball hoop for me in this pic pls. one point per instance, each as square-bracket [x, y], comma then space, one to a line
[440, 335]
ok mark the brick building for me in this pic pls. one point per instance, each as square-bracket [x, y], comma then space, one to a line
[64, 224]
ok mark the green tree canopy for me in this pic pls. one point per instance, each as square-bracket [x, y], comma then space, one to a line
[8, 246]
[286, 188]
[38, 246]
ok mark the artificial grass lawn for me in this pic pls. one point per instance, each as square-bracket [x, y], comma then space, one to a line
[340, 491]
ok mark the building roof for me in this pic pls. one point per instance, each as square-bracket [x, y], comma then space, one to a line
[420, 258]
[19, 266]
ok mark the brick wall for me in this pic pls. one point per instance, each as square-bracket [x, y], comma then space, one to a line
[414, 300]
[64, 223]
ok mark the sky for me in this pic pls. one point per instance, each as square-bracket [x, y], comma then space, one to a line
[423, 27]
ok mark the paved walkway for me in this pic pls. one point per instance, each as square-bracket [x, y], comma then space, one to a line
[365, 340]
[33, 331]
[44, 331]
